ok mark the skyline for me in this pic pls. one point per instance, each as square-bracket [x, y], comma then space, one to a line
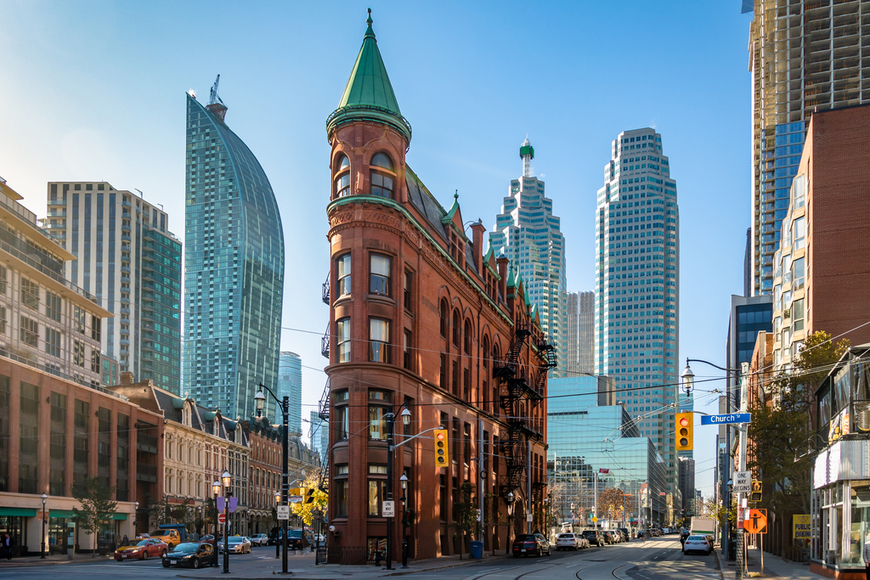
[468, 119]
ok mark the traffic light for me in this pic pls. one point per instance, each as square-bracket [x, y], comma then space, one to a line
[442, 453]
[684, 431]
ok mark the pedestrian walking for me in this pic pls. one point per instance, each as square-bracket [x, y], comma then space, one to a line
[125, 541]
[10, 543]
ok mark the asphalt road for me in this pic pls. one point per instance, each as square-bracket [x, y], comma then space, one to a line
[655, 559]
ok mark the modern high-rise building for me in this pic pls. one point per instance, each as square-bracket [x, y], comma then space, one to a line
[318, 435]
[527, 232]
[234, 267]
[131, 262]
[580, 325]
[804, 55]
[290, 385]
[637, 285]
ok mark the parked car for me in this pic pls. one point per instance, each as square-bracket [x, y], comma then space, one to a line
[208, 539]
[698, 543]
[569, 541]
[295, 539]
[626, 535]
[683, 535]
[609, 537]
[142, 550]
[193, 554]
[526, 544]
[260, 540]
[237, 545]
[594, 537]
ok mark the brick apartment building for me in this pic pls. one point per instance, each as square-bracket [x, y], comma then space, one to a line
[420, 316]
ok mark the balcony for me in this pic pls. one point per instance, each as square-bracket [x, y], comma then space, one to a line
[325, 291]
[324, 343]
[146, 473]
[146, 443]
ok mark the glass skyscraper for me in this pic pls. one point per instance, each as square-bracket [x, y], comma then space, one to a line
[131, 262]
[803, 57]
[527, 232]
[234, 267]
[589, 441]
[290, 385]
[637, 284]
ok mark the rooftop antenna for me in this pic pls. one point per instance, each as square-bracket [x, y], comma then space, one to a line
[213, 97]
[142, 195]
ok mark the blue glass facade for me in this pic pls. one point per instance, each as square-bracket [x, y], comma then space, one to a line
[234, 269]
[585, 438]
[290, 385]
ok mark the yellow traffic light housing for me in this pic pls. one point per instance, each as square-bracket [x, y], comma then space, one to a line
[684, 432]
[442, 448]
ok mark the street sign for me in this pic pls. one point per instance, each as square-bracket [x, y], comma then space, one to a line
[594, 519]
[295, 498]
[283, 512]
[726, 419]
[222, 518]
[742, 481]
[389, 509]
[756, 522]
[530, 517]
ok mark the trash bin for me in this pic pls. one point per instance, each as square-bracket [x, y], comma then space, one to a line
[477, 550]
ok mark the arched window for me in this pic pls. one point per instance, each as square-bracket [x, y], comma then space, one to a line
[486, 354]
[382, 182]
[456, 328]
[467, 337]
[442, 313]
[342, 177]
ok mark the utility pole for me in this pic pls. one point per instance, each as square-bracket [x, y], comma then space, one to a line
[744, 392]
[529, 486]
[481, 477]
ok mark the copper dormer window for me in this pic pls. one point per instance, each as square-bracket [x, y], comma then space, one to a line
[382, 181]
[342, 177]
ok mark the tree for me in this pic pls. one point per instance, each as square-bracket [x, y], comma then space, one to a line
[465, 514]
[316, 498]
[610, 502]
[160, 512]
[782, 432]
[97, 506]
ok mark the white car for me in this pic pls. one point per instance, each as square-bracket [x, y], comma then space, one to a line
[260, 540]
[697, 543]
[569, 541]
[238, 545]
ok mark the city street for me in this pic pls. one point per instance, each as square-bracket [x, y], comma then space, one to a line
[656, 559]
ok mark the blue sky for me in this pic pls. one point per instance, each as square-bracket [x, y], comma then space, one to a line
[94, 90]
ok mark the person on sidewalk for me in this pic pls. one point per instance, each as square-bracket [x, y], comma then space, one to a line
[10, 543]
[866, 554]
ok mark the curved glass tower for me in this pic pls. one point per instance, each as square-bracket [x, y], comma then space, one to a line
[233, 267]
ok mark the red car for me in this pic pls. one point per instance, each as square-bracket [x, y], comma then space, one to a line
[142, 550]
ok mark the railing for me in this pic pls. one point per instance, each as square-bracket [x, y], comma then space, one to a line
[145, 472]
[147, 443]
[325, 292]
[324, 343]
[54, 371]
[324, 403]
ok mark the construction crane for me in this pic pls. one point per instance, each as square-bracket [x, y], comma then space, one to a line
[213, 97]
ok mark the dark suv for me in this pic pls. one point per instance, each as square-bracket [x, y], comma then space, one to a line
[526, 544]
[595, 537]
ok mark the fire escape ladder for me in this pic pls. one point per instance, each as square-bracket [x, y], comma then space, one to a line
[325, 292]
[323, 410]
[324, 343]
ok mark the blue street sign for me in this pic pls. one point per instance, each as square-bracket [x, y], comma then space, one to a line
[726, 419]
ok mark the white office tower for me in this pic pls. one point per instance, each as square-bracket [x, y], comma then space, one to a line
[527, 232]
[637, 284]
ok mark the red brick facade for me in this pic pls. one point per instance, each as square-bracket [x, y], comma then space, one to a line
[427, 315]
[836, 160]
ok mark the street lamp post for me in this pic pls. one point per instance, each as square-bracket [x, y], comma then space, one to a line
[216, 490]
[260, 401]
[391, 419]
[404, 481]
[135, 518]
[227, 479]
[42, 552]
[277, 543]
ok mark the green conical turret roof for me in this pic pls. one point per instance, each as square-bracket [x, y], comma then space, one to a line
[369, 95]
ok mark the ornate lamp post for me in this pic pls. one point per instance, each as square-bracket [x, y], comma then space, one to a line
[135, 519]
[260, 401]
[227, 480]
[42, 552]
[277, 543]
[404, 482]
[216, 490]
[391, 420]
[510, 508]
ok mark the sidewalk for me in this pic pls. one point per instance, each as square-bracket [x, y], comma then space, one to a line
[774, 567]
[302, 567]
[54, 559]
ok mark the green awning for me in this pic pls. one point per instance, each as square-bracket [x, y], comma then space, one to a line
[11, 511]
[61, 513]
[119, 516]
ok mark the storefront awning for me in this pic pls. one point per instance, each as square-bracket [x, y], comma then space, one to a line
[61, 513]
[11, 511]
[119, 516]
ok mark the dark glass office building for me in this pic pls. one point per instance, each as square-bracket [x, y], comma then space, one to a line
[234, 267]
